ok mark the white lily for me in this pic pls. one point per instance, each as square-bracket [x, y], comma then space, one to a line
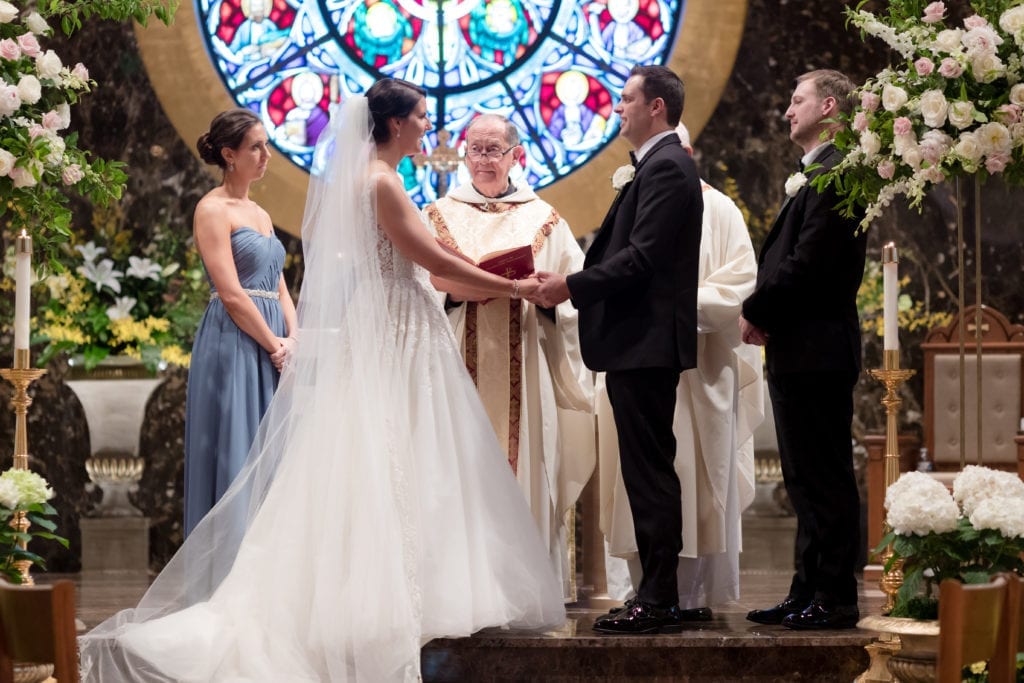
[122, 307]
[90, 251]
[143, 268]
[102, 274]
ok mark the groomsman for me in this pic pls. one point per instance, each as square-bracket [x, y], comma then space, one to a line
[804, 312]
[637, 301]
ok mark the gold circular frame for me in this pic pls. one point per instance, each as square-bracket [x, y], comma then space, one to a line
[192, 93]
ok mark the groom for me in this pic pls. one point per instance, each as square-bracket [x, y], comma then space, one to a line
[637, 301]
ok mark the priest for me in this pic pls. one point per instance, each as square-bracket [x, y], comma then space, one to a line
[524, 360]
[718, 405]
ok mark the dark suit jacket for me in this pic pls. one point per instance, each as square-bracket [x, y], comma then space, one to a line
[637, 292]
[809, 271]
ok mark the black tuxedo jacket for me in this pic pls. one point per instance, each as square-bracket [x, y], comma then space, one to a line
[809, 270]
[637, 292]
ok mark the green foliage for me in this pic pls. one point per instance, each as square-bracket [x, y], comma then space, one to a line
[71, 13]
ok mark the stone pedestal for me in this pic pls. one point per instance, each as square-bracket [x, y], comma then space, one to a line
[768, 543]
[115, 544]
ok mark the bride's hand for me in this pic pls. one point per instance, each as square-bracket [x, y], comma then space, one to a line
[527, 286]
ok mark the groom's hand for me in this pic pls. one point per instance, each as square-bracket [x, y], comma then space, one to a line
[752, 334]
[552, 290]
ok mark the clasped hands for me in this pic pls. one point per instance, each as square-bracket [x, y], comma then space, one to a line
[284, 352]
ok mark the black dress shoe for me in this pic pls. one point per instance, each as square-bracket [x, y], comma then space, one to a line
[626, 605]
[818, 615]
[775, 615]
[695, 614]
[640, 617]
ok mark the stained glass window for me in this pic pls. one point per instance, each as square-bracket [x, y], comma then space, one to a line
[554, 67]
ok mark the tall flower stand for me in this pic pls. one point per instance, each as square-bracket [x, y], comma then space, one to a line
[115, 534]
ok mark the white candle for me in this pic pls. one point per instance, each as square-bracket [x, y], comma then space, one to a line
[891, 294]
[22, 288]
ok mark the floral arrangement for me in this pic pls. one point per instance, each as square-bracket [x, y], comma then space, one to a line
[22, 491]
[978, 671]
[953, 105]
[146, 304]
[976, 532]
[39, 161]
[913, 315]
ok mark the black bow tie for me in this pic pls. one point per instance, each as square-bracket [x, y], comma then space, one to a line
[632, 158]
[800, 166]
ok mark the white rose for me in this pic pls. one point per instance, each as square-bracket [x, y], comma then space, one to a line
[623, 176]
[6, 162]
[1017, 95]
[994, 138]
[870, 144]
[30, 89]
[7, 12]
[912, 156]
[48, 64]
[893, 97]
[10, 100]
[23, 177]
[933, 108]
[64, 112]
[968, 148]
[794, 183]
[901, 143]
[948, 40]
[37, 24]
[1012, 20]
[987, 67]
[961, 114]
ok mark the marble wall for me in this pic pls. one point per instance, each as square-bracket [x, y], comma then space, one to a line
[744, 148]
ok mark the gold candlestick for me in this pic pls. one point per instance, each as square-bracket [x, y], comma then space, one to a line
[892, 377]
[21, 375]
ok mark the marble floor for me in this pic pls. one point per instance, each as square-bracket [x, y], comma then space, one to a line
[726, 649]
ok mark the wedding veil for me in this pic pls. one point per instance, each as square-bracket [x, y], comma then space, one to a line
[279, 578]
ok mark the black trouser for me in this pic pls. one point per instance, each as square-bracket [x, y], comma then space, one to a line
[644, 402]
[813, 413]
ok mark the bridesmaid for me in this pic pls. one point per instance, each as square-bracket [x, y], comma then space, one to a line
[247, 332]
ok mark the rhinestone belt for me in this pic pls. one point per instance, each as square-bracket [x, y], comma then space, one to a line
[261, 293]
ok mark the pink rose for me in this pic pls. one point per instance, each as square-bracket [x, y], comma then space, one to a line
[924, 66]
[1008, 114]
[10, 100]
[72, 174]
[933, 174]
[869, 101]
[934, 12]
[80, 72]
[35, 130]
[28, 44]
[886, 169]
[9, 49]
[860, 122]
[974, 21]
[51, 120]
[996, 163]
[902, 126]
[950, 68]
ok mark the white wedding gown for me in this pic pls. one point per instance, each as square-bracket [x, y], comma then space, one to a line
[380, 512]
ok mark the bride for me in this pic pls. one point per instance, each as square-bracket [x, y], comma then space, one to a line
[376, 510]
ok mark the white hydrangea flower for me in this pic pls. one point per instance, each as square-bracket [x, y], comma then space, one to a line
[1002, 513]
[976, 484]
[9, 497]
[919, 505]
[31, 488]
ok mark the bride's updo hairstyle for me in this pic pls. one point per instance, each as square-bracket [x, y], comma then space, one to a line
[227, 129]
[391, 98]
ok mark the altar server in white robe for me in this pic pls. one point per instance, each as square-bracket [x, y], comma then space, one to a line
[718, 405]
[524, 360]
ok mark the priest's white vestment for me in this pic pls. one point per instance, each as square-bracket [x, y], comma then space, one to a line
[526, 365]
[718, 405]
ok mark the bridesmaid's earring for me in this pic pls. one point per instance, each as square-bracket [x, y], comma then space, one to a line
[231, 168]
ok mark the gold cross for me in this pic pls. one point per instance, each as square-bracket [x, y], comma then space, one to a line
[444, 160]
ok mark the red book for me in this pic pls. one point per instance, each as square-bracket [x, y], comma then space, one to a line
[513, 264]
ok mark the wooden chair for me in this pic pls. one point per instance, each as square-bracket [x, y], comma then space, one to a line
[1004, 663]
[1002, 366]
[972, 620]
[37, 625]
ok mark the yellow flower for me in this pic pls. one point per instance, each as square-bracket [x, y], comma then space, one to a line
[61, 333]
[175, 356]
[978, 667]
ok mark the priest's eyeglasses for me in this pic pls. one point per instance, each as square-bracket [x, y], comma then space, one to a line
[490, 155]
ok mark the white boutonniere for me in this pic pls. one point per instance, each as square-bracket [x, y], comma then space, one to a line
[623, 176]
[794, 183]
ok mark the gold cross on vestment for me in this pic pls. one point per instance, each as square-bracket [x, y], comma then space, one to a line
[443, 159]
